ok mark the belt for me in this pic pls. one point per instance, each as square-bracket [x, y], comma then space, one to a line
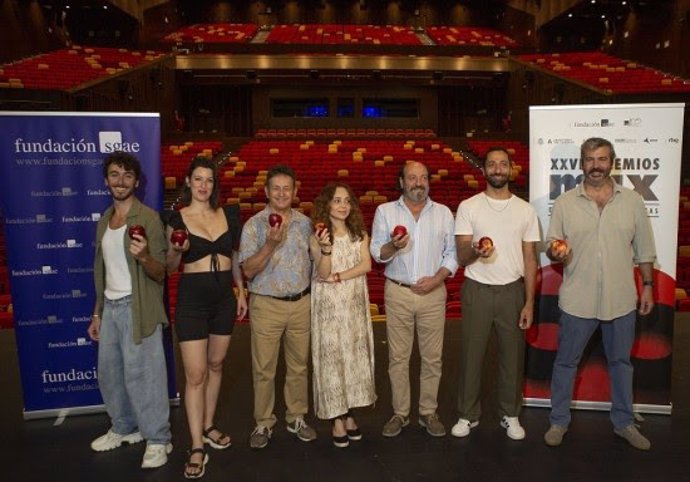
[399, 283]
[296, 297]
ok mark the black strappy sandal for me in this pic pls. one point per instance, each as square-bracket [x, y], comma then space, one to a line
[215, 443]
[194, 465]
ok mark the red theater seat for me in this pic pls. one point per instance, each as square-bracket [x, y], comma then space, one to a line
[607, 73]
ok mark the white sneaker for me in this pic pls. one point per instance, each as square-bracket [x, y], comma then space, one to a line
[112, 440]
[156, 455]
[463, 427]
[513, 427]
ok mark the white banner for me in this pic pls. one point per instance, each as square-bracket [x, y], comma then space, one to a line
[647, 139]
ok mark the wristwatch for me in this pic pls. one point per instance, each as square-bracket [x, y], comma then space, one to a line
[648, 283]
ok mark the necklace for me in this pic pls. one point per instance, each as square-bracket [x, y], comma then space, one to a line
[505, 205]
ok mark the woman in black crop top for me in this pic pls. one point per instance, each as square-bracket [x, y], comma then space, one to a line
[206, 306]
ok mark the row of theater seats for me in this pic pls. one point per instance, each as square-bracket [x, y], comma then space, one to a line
[68, 68]
[486, 37]
[343, 34]
[608, 73]
[370, 166]
[334, 133]
[223, 33]
[339, 34]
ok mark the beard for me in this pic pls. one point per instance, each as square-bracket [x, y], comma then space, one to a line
[497, 182]
[417, 194]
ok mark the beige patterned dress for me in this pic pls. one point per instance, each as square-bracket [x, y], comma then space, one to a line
[342, 341]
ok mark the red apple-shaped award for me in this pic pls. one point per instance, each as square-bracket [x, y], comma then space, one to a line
[275, 219]
[319, 228]
[178, 237]
[485, 242]
[136, 229]
[399, 230]
[559, 247]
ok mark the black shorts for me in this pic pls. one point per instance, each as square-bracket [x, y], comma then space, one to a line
[206, 305]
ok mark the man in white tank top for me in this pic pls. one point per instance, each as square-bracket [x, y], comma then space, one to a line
[129, 315]
[498, 292]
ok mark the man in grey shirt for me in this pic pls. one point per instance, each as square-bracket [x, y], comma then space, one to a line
[606, 232]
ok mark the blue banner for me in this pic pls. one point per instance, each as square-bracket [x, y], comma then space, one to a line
[53, 192]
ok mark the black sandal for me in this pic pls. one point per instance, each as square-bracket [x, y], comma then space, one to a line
[216, 443]
[340, 441]
[194, 465]
[352, 434]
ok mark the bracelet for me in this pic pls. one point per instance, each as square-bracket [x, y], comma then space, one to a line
[95, 316]
[326, 253]
[336, 277]
[648, 283]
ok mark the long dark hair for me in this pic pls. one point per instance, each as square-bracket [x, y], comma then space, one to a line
[321, 212]
[205, 162]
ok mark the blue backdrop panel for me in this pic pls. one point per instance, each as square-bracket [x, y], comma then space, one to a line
[53, 191]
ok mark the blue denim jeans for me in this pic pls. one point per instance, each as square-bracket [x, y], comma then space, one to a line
[617, 337]
[133, 378]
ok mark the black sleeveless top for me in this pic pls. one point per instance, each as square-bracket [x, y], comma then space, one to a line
[200, 247]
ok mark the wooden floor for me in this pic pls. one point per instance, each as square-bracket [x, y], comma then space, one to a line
[42, 450]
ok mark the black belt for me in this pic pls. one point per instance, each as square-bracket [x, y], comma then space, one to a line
[296, 297]
[399, 283]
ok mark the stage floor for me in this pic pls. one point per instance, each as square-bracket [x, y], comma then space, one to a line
[43, 449]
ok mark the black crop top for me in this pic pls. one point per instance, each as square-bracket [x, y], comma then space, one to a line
[200, 247]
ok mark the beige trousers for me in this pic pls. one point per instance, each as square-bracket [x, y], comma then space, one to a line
[405, 312]
[271, 321]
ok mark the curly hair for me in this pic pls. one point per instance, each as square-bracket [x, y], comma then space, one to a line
[205, 162]
[124, 160]
[321, 212]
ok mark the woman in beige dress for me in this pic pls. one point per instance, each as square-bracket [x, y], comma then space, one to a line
[341, 331]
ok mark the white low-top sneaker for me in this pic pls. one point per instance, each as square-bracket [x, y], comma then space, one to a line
[112, 440]
[463, 427]
[156, 455]
[513, 427]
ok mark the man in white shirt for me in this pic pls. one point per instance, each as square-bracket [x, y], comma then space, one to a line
[498, 292]
[417, 263]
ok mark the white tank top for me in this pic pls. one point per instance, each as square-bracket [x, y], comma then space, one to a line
[118, 282]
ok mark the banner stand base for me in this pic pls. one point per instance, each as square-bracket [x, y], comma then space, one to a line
[602, 406]
[61, 413]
